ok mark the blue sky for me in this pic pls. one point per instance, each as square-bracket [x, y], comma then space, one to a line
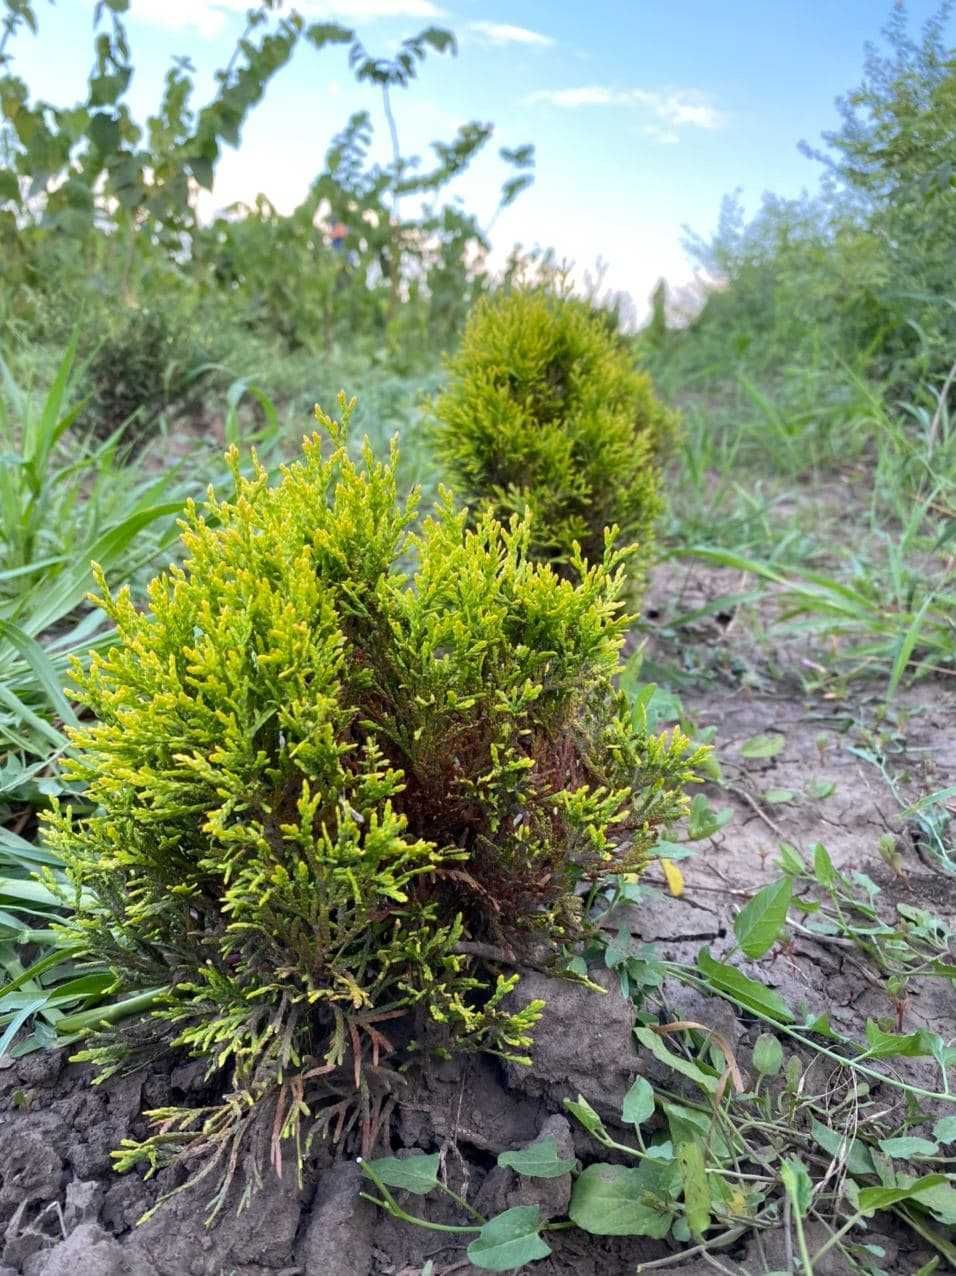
[644, 113]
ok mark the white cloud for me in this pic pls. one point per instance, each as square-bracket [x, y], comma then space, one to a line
[357, 10]
[671, 111]
[505, 33]
[680, 108]
[593, 96]
[208, 17]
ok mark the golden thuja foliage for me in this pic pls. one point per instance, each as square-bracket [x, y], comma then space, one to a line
[545, 412]
[314, 780]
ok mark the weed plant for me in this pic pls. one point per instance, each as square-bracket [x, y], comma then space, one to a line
[806, 1146]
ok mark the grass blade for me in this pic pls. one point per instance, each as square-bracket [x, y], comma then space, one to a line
[907, 644]
[43, 670]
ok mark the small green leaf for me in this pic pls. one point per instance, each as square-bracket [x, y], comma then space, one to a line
[509, 1240]
[823, 869]
[885, 1169]
[821, 1026]
[655, 1043]
[796, 1180]
[759, 923]
[619, 949]
[821, 788]
[945, 1129]
[881, 1198]
[855, 1153]
[762, 746]
[539, 1161]
[777, 797]
[703, 821]
[638, 1105]
[617, 1200]
[941, 1202]
[673, 850]
[909, 1147]
[415, 1174]
[582, 1111]
[894, 1045]
[693, 1173]
[735, 985]
[767, 1055]
[688, 1125]
[791, 861]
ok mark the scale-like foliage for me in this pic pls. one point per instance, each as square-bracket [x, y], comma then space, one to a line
[546, 412]
[314, 778]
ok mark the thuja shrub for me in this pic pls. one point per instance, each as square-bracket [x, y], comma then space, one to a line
[319, 784]
[545, 412]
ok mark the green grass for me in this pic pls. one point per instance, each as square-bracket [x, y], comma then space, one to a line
[839, 502]
[64, 502]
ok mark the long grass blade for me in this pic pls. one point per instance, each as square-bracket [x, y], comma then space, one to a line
[18, 1020]
[39, 663]
[906, 647]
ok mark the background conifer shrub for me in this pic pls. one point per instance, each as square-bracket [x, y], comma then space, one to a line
[150, 362]
[312, 777]
[546, 412]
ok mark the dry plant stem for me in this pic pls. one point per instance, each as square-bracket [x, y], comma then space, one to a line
[718, 1267]
[834, 941]
[752, 802]
[857, 1065]
[721, 890]
[836, 1237]
[787, 1235]
[718, 1242]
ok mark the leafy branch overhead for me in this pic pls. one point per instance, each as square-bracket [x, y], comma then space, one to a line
[71, 165]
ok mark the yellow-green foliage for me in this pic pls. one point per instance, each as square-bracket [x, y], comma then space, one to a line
[545, 411]
[312, 776]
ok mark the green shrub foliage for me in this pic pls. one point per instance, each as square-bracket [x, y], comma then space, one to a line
[316, 781]
[148, 364]
[546, 412]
